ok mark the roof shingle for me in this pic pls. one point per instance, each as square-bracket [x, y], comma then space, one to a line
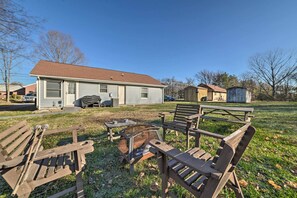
[53, 69]
[214, 88]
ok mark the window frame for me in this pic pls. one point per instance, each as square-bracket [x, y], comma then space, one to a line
[146, 92]
[100, 90]
[46, 88]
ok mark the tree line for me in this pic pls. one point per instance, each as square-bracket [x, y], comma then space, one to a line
[271, 76]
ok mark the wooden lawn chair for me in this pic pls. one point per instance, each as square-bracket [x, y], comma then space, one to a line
[186, 116]
[24, 164]
[199, 172]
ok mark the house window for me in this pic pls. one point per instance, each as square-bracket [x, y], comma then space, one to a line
[53, 89]
[103, 88]
[144, 92]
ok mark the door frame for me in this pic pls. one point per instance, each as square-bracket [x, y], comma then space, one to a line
[124, 94]
[66, 92]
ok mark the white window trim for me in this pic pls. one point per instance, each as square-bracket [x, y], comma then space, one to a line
[106, 88]
[141, 93]
[44, 93]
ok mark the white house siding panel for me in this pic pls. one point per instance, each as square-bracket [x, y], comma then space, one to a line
[87, 89]
[50, 102]
[133, 95]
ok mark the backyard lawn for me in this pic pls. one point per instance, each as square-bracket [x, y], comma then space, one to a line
[267, 169]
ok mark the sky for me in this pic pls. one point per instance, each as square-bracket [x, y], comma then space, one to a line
[166, 38]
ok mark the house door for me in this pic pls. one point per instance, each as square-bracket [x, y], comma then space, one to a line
[70, 93]
[122, 95]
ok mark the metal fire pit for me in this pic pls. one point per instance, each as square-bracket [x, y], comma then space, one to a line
[134, 141]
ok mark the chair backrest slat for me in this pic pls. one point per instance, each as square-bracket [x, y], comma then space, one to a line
[16, 143]
[12, 129]
[14, 140]
[14, 136]
[184, 110]
[232, 147]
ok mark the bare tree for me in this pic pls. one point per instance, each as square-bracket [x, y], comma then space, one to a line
[273, 68]
[15, 23]
[9, 59]
[190, 81]
[205, 77]
[58, 47]
[15, 30]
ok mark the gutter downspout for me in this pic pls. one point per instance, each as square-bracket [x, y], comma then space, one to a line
[38, 92]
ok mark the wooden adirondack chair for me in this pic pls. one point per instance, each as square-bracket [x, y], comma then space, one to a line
[185, 117]
[199, 172]
[24, 165]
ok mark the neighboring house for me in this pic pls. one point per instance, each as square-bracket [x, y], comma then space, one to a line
[194, 94]
[62, 85]
[12, 90]
[17, 90]
[215, 93]
[238, 95]
[31, 88]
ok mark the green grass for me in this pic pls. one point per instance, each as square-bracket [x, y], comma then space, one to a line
[274, 143]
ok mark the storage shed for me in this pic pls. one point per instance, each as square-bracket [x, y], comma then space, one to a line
[238, 95]
[215, 93]
[194, 94]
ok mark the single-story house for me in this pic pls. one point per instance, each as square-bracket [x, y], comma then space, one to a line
[17, 90]
[215, 93]
[194, 94]
[12, 90]
[238, 95]
[31, 88]
[62, 85]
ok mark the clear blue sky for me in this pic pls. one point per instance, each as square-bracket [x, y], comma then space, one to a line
[170, 38]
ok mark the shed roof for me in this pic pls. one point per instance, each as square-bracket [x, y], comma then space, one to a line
[60, 70]
[237, 87]
[214, 88]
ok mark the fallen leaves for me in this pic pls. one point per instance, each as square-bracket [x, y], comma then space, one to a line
[292, 184]
[154, 187]
[243, 183]
[275, 186]
[141, 174]
[294, 171]
[278, 166]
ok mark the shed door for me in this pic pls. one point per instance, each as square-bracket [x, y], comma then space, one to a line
[122, 94]
[70, 94]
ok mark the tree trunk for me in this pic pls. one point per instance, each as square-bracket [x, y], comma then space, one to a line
[7, 90]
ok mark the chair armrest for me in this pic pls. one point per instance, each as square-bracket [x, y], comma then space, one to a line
[191, 117]
[199, 165]
[163, 114]
[207, 133]
[84, 147]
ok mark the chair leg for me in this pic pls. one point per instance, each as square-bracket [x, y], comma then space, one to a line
[187, 141]
[79, 185]
[197, 140]
[164, 185]
[164, 133]
[235, 186]
[162, 161]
